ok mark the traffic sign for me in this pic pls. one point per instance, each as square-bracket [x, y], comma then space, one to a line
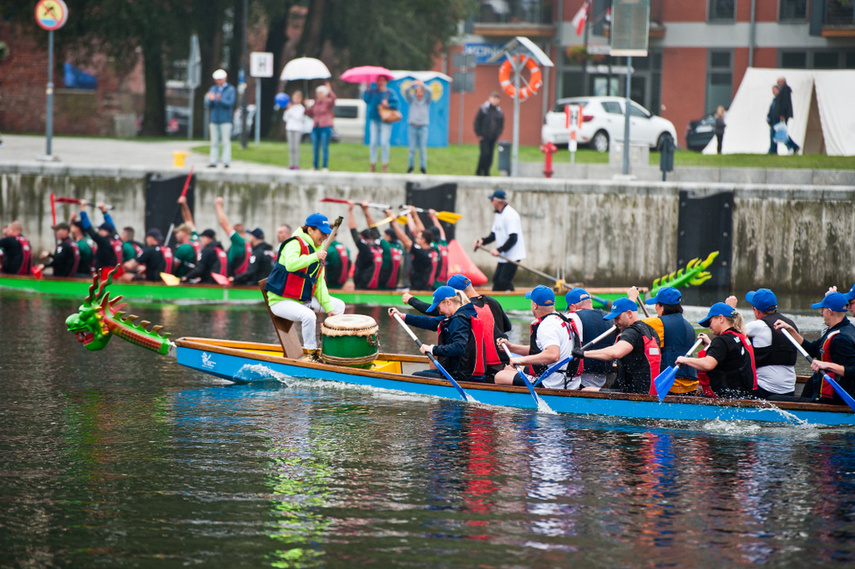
[51, 14]
[261, 64]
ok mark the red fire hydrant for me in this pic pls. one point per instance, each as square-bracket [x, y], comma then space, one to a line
[548, 149]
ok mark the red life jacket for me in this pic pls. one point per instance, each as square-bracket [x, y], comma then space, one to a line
[224, 261]
[473, 361]
[377, 252]
[572, 333]
[137, 248]
[747, 343]
[297, 285]
[197, 248]
[485, 315]
[246, 255]
[397, 258]
[27, 255]
[167, 257]
[652, 354]
[341, 251]
[116, 244]
[434, 260]
[442, 252]
[826, 390]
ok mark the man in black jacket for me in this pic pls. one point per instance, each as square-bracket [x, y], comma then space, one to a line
[489, 123]
[260, 262]
[781, 110]
[212, 259]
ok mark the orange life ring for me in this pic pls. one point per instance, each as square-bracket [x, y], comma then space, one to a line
[534, 82]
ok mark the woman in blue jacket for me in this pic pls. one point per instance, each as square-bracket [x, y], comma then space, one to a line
[379, 132]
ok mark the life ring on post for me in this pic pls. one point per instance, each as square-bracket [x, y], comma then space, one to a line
[534, 82]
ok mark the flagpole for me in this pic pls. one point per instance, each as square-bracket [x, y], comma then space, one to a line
[585, 59]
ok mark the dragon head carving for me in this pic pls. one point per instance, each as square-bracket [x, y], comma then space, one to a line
[99, 318]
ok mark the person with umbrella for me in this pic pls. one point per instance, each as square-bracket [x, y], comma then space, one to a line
[322, 113]
[380, 132]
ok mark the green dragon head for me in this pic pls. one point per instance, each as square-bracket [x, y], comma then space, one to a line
[99, 318]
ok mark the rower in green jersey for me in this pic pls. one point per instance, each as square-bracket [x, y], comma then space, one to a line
[239, 251]
[393, 252]
[84, 267]
[189, 245]
[440, 245]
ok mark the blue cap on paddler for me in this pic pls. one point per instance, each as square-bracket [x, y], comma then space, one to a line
[541, 295]
[441, 294]
[459, 282]
[717, 309]
[620, 306]
[762, 299]
[576, 295]
[666, 295]
[851, 294]
[835, 301]
[319, 222]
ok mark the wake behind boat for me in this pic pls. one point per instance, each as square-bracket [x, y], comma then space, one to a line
[100, 317]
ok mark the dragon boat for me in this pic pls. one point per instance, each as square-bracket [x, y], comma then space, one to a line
[692, 275]
[101, 317]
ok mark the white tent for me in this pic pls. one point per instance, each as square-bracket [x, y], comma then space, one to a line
[823, 122]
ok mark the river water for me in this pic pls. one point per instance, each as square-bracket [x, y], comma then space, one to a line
[122, 458]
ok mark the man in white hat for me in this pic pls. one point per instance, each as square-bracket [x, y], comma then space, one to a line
[220, 100]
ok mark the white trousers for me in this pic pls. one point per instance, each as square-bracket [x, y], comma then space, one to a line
[304, 312]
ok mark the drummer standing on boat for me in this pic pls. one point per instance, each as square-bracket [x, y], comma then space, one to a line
[297, 289]
[507, 233]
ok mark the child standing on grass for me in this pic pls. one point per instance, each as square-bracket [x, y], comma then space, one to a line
[293, 117]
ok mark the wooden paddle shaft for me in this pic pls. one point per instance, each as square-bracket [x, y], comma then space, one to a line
[520, 265]
[328, 240]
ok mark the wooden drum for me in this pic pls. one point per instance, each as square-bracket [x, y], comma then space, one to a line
[349, 340]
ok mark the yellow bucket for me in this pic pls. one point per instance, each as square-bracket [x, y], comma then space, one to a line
[178, 158]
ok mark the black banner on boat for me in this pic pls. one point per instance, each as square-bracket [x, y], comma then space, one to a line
[705, 225]
[161, 207]
[441, 198]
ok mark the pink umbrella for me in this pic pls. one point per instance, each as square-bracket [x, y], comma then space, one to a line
[365, 74]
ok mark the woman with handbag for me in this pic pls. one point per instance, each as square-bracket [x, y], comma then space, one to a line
[382, 104]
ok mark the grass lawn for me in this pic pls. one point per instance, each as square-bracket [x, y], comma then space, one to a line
[461, 160]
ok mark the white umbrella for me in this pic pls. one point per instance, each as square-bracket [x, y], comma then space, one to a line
[304, 68]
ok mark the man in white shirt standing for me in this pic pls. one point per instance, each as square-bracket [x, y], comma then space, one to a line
[774, 356]
[507, 233]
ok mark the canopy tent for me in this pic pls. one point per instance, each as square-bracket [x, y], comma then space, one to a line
[823, 121]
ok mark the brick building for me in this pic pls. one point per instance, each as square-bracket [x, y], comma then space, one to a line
[698, 53]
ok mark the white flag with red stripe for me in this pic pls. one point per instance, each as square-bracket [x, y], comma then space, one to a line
[580, 19]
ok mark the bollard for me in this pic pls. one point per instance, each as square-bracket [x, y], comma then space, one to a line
[548, 150]
[178, 158]
[666, 156]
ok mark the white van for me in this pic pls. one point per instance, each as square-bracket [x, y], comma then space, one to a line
[349, 123]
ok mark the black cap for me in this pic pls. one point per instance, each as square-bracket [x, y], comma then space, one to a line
[154, 232]
[257, 233]
[209, 233]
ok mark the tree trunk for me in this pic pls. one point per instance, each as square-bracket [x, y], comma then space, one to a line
[269, 87]
[154, 123]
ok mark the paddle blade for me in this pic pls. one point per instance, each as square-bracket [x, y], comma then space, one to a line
[221, 280]
[334, 200]
[384, 221]
[840, 391]
[62, 199]
[37, 272]
[664, 381]
[170, 280]
[551, 369]
[448, 216]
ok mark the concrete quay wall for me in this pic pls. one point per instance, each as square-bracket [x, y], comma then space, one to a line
[603, 233]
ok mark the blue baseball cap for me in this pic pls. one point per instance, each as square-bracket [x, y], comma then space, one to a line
[666, 295]
[441, 294]
[836, 301]
[459, 282]
[107, 227]
[319, 221]
[576, 295]
[762, 299]
[851, 294]
[717, 309]
[499, 195]
[541, 296]
[620, 306]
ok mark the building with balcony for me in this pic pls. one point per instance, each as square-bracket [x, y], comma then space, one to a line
[698, 52]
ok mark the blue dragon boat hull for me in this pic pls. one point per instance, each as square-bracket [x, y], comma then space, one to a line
[248, 361]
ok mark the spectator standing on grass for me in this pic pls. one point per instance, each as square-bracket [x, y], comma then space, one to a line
[322, 113]
[720, 125]
[220, 99]
[418, 120]
[489, 123]
[293, 117]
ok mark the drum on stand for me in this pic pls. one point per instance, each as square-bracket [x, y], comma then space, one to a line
[349, 340]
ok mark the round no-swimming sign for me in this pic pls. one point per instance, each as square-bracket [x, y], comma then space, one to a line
[51, 14]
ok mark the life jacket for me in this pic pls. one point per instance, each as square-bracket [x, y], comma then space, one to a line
[472, 364]
[592, 326]
[224, 261]
[745, 377]
[651, 354]
[116, 244]
[167, 257]
[197, 248]
[826, 391]
[26, 255]
[434, 260]
[247, 253]
[76, 250]
[442, 271]
[781, 351]
[676, 339]
[485, 315]
[138, 248]
[572, 333]
[377, 254]
[341, 252]
[397, 257]
[297, 285]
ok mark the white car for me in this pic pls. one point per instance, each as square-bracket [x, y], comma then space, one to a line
[349, 122]
[603, 121]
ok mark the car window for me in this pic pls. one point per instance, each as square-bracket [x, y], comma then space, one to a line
[612, 107]
[638, 112]
[346, 111]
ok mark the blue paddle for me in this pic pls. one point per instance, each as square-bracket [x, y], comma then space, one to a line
[523, 376]
[550, 370]
[839, 390]
[463, 395]
[665, 380]
[583, 348]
